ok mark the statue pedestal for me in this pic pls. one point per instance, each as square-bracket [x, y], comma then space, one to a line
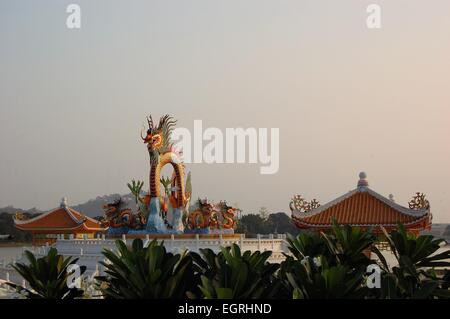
[155, 224]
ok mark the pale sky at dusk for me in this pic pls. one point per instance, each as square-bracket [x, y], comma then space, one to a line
[345, 98]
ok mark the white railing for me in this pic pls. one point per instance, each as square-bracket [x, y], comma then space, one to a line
[83, 247]
[89, 251]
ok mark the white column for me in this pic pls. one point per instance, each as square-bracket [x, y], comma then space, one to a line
[221, 239]
[124, 238]
[259, 241]
[172, 241]
[241, 241]
[273, 242]
[103, 237]
[8, 288]
[97, 270]
[197, 241]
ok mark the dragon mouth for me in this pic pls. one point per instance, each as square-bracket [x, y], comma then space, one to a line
[150, 145]
[153, 141]
[109, 211]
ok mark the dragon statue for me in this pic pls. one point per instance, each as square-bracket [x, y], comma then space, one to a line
[211, 216]
[201, 217]
[228, 215]
[167, 211]
[155, 207]
[119, 217]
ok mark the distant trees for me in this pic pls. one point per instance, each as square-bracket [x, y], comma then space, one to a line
[278, 223]
[7, 227]
[264, 212]
[252, 224]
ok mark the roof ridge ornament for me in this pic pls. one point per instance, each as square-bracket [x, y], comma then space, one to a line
[419, 202]
[363, 180]
[299, 204]
[63, 202]
[20, 216]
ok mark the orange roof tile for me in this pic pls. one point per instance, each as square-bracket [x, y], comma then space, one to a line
[63, 218]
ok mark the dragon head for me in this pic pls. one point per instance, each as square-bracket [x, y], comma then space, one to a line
[112, 209]
[158, 137]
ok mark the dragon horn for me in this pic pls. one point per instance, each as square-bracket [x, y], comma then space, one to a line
[150, 122]
[162, 120]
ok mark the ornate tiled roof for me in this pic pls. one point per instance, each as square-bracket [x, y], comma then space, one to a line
[62, 218]
[362, 207]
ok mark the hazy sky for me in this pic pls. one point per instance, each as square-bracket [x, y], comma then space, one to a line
[346, 98]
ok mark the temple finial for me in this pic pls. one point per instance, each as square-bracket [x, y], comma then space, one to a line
[363, 180]
[63, 202]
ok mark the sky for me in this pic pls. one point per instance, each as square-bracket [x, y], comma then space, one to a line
[345, 98]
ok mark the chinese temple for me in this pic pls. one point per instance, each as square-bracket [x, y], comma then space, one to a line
[64, 222]
[362, 207]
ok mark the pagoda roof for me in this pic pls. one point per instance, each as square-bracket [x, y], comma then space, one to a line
[63, 218]
[362, 207]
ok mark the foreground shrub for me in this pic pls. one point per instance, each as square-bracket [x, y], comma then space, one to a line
[47, 276]
[327, 265]
[231, 274]
[315, 279]
[145, 272]
[414, 276]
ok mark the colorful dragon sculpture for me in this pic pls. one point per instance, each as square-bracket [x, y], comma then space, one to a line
[207, 215]
[154, 206]
[168, 212]
[116, 216]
